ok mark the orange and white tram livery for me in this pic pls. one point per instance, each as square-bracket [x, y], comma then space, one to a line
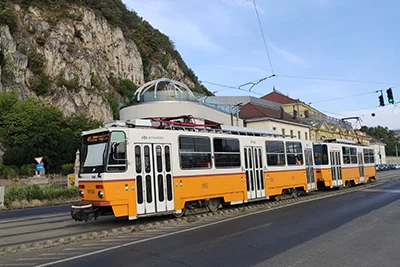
[343, 163]
[134, 169]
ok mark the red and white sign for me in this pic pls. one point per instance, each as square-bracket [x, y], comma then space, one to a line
[39, 160]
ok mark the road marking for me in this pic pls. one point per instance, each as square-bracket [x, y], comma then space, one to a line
[17, 264]
[37, 259]
[382, 190]
[125, 237]
[80, 249]
[111, 240]
[185, 230]
[59, 253]
[34, 218]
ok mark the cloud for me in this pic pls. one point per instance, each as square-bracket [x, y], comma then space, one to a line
[247, 69]
[180, 28]
[243, 3]
[288, 55]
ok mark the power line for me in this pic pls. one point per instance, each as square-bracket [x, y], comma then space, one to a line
[342, 97]
[254, 83]
[335, 79]
[263, 36]
[231, 87]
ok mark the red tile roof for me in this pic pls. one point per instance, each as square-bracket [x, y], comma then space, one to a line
[278, 98]
[251, 110]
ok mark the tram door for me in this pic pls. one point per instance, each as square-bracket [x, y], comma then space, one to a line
[336, 168]
[254, 172]
[154, 189]
[308, 152]
[361, 166]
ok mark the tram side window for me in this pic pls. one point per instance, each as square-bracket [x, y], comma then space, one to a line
[366, 155]
[294, 153]
[275, 153]
[117, 156]
[353, 155]
[195, 152]
[371, 156]
[346, 154]
[226, 153]
[321, 154]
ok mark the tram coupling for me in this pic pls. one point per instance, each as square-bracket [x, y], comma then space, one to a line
[83, 211]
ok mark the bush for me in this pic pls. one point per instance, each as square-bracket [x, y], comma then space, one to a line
[41, 84]
[67, 168]
[9, 172]
[28, 170]
[35, 62]
[114, 105]
[8, 16]
[30, 193]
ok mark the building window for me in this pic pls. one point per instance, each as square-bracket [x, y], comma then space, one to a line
[226, 153]
[274, 128]
[298, 135]
[195, 152]
[283, 131]
[305, 134]
[294, 153]
[275, 153]
[291, 133]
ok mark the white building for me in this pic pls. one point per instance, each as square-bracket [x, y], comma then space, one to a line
[164, 98]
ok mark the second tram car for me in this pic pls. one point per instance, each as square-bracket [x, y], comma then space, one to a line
[343, 163]
[135, 169]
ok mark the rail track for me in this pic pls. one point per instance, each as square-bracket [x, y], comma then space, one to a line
[58, 228]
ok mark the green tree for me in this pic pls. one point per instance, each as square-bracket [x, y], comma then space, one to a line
[126, 88]
[385, 135]
[29, 130]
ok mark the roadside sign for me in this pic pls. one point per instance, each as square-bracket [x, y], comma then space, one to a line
[39, 167]
[72, 182]
[39, 160]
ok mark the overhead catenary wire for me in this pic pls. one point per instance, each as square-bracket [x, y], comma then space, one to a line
[231, 87]
[336, 79]
[342, 97]
[263, 37]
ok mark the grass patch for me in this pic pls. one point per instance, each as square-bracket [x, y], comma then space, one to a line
[33, 195]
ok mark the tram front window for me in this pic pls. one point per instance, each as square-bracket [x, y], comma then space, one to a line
[94, 152]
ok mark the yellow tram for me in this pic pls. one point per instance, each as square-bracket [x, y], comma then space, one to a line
[144, 168]
[343, 163]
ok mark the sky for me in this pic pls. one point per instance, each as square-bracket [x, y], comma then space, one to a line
[221, 41]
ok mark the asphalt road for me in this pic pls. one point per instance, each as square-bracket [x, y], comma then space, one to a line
[34, 211]
[354, 229]
[67, 207]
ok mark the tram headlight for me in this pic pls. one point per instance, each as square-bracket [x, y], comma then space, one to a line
[81, 193]
[100, 194]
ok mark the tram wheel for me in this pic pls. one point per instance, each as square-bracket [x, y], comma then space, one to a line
[179, 215]
[213, 204]
[295, 192]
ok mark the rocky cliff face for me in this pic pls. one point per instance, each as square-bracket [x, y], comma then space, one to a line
[73, 62]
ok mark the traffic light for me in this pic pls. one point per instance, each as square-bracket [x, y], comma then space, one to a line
[390, 96]
[381, 101]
